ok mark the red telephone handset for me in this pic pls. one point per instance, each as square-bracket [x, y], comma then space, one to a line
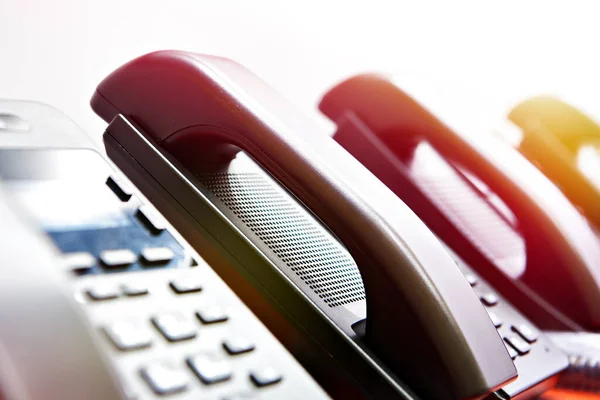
[484, 200]
[423, 319]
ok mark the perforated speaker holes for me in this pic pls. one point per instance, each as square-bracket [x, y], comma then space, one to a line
[298, 240]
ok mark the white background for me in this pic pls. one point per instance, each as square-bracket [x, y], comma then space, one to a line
[482, 55]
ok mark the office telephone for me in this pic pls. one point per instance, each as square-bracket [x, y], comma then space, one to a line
[235, 168]
[564, 144]
[481, 197]
[141, 316]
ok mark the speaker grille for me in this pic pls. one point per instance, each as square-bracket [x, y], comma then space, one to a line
[295, 237]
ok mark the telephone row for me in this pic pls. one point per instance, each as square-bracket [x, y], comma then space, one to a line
[234, 251]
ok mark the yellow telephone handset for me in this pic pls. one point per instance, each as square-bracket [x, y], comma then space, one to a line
[554, 135]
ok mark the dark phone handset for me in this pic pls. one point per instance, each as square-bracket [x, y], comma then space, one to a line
[420, 309]
[386, 129]
[554, 134]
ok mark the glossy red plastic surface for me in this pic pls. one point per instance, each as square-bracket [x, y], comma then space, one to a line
[402, 142]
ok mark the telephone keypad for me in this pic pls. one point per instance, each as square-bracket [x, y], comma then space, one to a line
[180, 349]
[159, 338]
[535, 359]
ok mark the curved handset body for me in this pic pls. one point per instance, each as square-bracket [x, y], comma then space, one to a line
[494, 208]
[423, 320]
[556, 137]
